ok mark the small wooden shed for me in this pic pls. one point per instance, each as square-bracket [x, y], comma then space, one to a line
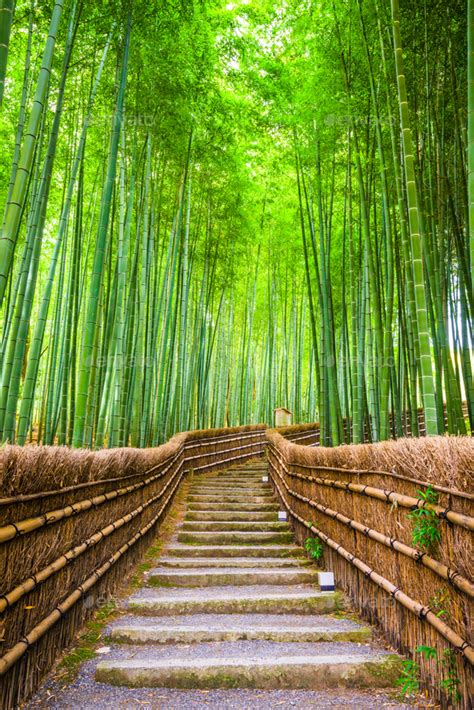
[282, 416]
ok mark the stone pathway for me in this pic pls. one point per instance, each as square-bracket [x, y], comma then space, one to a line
[234, 604]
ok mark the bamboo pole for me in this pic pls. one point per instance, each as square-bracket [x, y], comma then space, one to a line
[450, 575]
[423, 612]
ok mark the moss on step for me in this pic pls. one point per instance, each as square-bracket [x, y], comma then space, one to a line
[86, 644]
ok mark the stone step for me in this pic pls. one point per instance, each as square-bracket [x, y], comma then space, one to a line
[252, 664]
[264, 491]
[234, 476]
[209, 577]
[240, 507]
[260, 599]
[242, 562]
[255, 477]
[242, 525]
[266, 494]
[248, 467]
[233, 537]
[246, 479]
[229, 487]
[231, 551]
[198, 628]
[224, 499]
[231, 515]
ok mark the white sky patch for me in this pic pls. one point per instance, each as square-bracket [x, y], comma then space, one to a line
[233, 64]
[242, 26]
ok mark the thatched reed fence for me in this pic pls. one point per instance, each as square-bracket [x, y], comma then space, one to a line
[357, 500]
[72, 524]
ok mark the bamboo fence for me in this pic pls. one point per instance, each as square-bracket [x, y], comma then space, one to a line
[357, 500]
[73, 522]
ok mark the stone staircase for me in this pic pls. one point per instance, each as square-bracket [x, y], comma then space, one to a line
[234, 603]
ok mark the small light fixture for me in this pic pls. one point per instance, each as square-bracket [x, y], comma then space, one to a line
[326, 581]
[282, 515]
[264, 479]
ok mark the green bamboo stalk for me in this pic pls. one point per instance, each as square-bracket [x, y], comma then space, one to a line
[87, 365]
[6, 17]
[16, 203]
[427, 383]
[37, 341]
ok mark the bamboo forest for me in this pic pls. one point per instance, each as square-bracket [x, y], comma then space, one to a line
[210, 210]
[236, 354]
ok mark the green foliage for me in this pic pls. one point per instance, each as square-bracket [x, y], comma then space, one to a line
[428, 652]
[85, 646]
[426, 531]
[409, 680]
[439, 603]
[449, 682]
[314, 547]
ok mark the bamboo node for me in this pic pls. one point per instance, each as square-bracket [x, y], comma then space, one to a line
[424, 611]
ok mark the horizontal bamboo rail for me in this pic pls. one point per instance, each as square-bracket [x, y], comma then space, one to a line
[10, 598]
[392, 474]
[391, 497]
[15, 653]
[423, 612]
[29, 525]
[211, 442]
[223, 451]
[417, 555]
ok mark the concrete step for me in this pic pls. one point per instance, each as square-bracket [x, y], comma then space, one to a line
[242, 562]
[228, 482]
[231, 480]
[235, 576]
[231, 551]
[232, 475]
[224, 499]
[231, 515]
[254, 479]
[199, 628]
[243, 525]
[245, 469]
[259, 599]
[233, 537]
[240, 507]
[241, 491]
[243, 475]
[252, 664]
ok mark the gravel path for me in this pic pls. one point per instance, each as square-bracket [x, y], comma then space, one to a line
[86, 694]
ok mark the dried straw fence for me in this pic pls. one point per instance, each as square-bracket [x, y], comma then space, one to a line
[357, 499]
[72, 524]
